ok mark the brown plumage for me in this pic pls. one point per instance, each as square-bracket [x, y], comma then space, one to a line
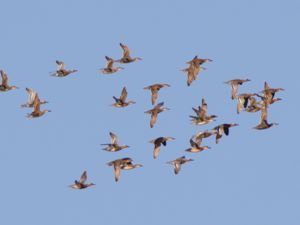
[121, 102]
[243, 100]
[203, 134]
[61, 71]
[154, 112]
[196, 147]
[109, 69]
[126, 55]
[223, 129]
[114, 145]
[124, 163]
[36, 108]
[154, 88]
[178, 162]
[263, 124]
[31, 97]
[254, 105]
[192, 71]
[201, 118]
[198, 61]
[158, 142]
[81, 183]
[234, 86]
[4, 85]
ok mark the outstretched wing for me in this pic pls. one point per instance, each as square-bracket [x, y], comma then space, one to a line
[36, 103]
[83, 177]
[126, 51]
[109, 63]
[123, 94]
[154, 95]
[4, 79]
[114, 138]
[60, 65]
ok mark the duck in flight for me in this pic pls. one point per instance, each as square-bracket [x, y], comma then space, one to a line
[154, 88]
[36, 109]
[223, 129]
[126, 56]
[81, 184]
[61, 71]
[121, 102]
[178, 162]
[234, 86]
[201, 118]
[31, 97]
[109, 69]
[158, 142]
[4, 85]
[114, 145]
[122, 164]
[155, 111]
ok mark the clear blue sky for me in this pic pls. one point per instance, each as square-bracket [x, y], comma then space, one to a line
[251, 177]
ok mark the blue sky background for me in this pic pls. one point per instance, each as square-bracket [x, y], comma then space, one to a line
[250, 177]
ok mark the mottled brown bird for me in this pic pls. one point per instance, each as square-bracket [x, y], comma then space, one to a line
[192, 72]
[61, 71]
[124, 163]
[121, 102]
[198, 61]
[243, 100]
[158, 142]
[109, 69]
[201, 118]
[36, 109]
[154, 88]
[203, 134]
[31, 97]
[4, 85]
[196, 147]
[126, 55]
[234, 86]
[263, 124]
[223, 129]
[114, 145]
[178, 162]
[155, 111]
[81, 183]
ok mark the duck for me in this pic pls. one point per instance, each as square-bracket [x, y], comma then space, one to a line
[202, 118]
[195, 147]
[203, 134]
[234, 86]
[61, 71]
[36, 109]
[114, 146]
[198, 61]
[155, 111]
[121, 102]
[223, 129]
[31, 97]
[126, 55]
[4, 85]
[158, 142]
[81, 184]
[192, 72]
[263, 124]
[109, 69]
[254, 105]
[243, 100]
[178, 162]
[154, 88]
[123, 163]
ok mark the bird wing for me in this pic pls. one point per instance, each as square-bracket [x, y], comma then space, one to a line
[109, 63]
[117, 171]
[114, 138]
[123, 94]
[240, 104]
[4, 79]
[31, 95]
[36, 103]
[153, 119]
[154, 95]
[234, 89]
[177, 167]
[264, 112]
[60, 65]
[126, 51]
[83, 177]
[156, 150]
